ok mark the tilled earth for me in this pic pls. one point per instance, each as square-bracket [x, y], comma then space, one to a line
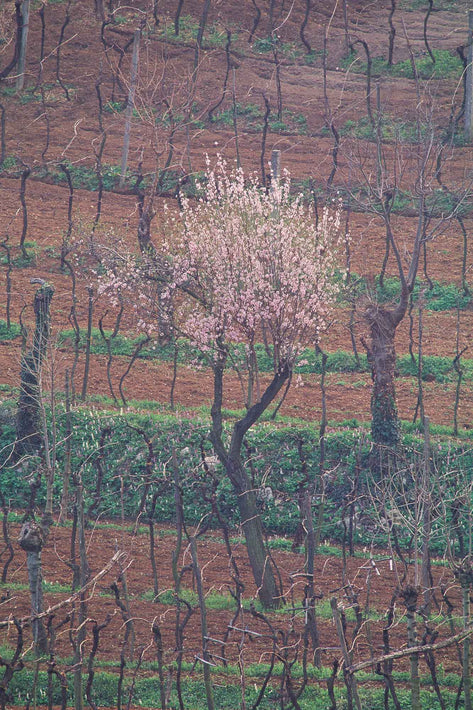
[370, 581]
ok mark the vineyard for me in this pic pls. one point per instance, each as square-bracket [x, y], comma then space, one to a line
[236, 386]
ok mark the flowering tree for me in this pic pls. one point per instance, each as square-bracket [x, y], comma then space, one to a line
[250, 262]
[239, 264]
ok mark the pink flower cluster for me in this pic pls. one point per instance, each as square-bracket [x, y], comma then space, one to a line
[253, 259]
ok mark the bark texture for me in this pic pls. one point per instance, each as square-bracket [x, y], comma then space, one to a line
[31, 540]
[382, 358]
[28, 422]
[230, 457]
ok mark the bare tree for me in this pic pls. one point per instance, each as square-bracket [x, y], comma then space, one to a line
[393, 168]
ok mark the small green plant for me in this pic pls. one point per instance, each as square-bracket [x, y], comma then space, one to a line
[264, 45]
[440, 297]
[412, 5]
[29, 95]
[248, 112]
[213, 600]
[250, 117]
[447, 65]
[301, 121]
[311, 57]
[114, 106]
[52, 252]
[48, 587]
[9, 333]
[23, 259]
[10, 163]
[390, 129]
[85, 178]
[214, 35]
[119, 19]
[278, 126]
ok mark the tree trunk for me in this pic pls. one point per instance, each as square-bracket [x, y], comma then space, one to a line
[260, 562]
[28, 421]
[80, 632]
[410, 596]
[426, 500]
[206, 662]
[230, 458]
[20, 79]
[31, 540]
[464, 575]
[382, 358]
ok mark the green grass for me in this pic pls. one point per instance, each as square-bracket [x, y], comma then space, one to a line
[10, 163]
[441, 297]
[114, 106]
[213, 600]
[414, 5]
[447, 66]
[85, 177]
[9, 333]
[288, 50]
[391, 129]
[48, 587]
[250, 117]
[20, 261]
[219, 602]
[436, 367]
[226, 696]
[214, 35]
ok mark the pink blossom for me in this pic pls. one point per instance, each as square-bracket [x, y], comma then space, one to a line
[254, 259]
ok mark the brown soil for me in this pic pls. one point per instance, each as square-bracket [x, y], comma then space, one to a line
[377, 579]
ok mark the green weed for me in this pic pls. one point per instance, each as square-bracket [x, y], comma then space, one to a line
[119, 19]
[114, 106]
[278, 126]
[441, 297]
[447, 65]
[251, 116]
[311, 57]
[227, 695]
[309, 361]
[48, 587]
[10, 163]
[391, 129]
[412, 5]
[214, 35]
[289, 50]
[213, 600]
[9, 333]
